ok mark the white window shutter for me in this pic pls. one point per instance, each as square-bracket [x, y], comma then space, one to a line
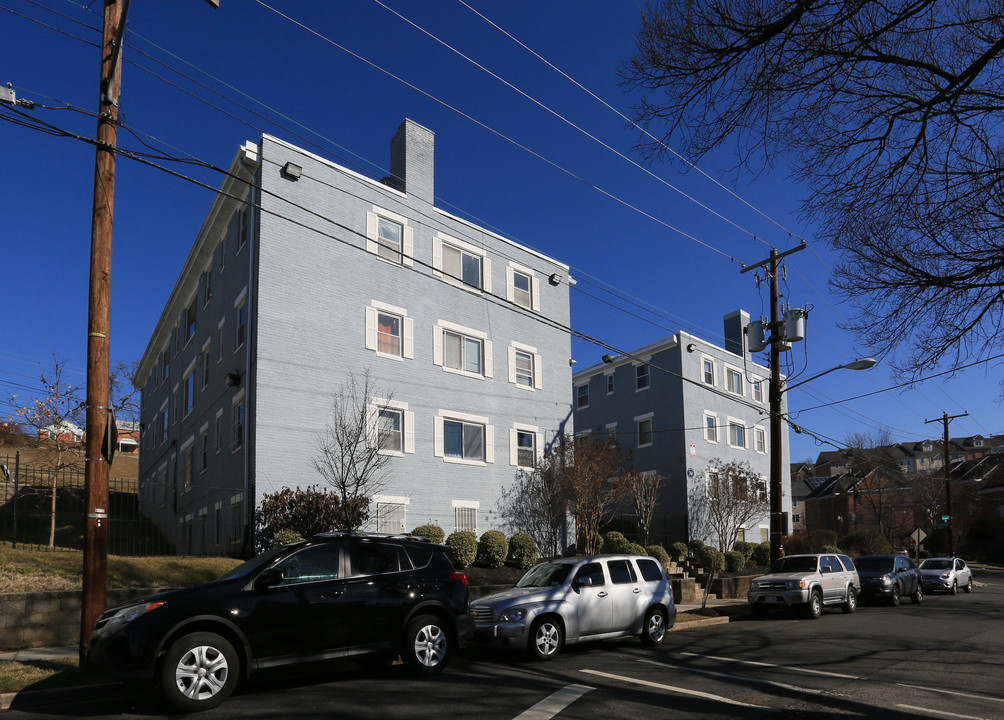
[538, 372]
[486, 271]
[512, 364]
[409, 338]
[535, 300]
[408, 251]
[489, 363]
[513, 448]
[372, 230]
[489, 444]
[371, 426]
[438, 435]
[510, 283]
[538, 446]
[409, 432]
[437, 345]
[371, 328]
[437, 256]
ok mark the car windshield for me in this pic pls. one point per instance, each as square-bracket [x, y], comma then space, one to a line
[936, 565]
[875, 564]
[795, 563]
[546, 575]
[246, 568]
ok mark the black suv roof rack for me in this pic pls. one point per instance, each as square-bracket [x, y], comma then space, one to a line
[360, 534]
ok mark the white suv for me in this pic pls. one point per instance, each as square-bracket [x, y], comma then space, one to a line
[812, 581]
[575, 599]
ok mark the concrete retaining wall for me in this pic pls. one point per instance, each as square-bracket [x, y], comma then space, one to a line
[49, 619]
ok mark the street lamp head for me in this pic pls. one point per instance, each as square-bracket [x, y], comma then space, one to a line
[860, 364]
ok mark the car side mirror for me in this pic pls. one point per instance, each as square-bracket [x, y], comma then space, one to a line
[825, 569]
[584, 582]
[269, 578]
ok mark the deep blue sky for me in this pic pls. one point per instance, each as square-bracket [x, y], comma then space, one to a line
[623, 231]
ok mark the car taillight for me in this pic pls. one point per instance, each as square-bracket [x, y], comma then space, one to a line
[462, 577]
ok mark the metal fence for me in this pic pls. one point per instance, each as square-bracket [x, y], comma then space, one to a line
[44, 508]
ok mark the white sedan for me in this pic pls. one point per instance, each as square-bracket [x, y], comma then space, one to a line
[947, 574]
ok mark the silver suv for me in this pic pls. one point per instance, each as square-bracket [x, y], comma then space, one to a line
[575, 599]
[812, 581]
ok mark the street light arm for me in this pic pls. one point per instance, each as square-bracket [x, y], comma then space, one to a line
[860, 364]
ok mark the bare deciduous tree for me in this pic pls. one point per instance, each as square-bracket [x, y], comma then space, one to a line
[730, 496]
[351, 450]
[643, 489]
[891, 113]
[537, 505]
[52, 418]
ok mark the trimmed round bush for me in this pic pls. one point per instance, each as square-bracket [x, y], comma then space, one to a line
[734, 561]
[679, 550]
[615, 542]
[761, 555]
[493, 548]
[715, 558]
[462, 548]
[746, 548]
[660, 554]
[695, 548]
[832, 549]
[636, 549]
[285, 537]
[523, 551]
[435, 533]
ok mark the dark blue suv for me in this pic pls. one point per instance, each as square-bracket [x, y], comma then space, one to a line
[337, 595]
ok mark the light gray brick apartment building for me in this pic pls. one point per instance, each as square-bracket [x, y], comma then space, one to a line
[305, 272]
[676, 405]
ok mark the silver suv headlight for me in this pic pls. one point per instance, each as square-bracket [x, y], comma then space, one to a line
[513, 615]
[795, 584]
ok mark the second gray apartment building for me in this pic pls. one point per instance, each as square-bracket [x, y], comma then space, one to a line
[306, 273]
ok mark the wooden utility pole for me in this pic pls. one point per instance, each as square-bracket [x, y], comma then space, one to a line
[775, 393]
[945, 417]
[98, 327]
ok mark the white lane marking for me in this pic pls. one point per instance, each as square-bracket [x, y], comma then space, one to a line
[671, 688]
[729, 676]
[929, 711]
[771, 665]
[554, 703]
[953, 692]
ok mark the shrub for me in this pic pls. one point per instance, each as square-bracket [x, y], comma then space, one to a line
[713, 559]
[679, 550]
[615, 542]
[433, 532]
[523, 551]
[660, 554]
[493, 548]
[761, 555]
[462, 548]
[865, 543]
[734, 561]
[579, 548]
[636, 549]
[307, 512]
[695, 548]
[746, 548]
[831, 549]
[285, 537]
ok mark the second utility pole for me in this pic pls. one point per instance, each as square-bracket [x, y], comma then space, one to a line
[945, 417]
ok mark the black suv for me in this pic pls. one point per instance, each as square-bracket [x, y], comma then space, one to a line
[337, 595]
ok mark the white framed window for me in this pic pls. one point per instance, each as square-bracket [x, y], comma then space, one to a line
[190, 316]
[645, 434]
[737, 433]
[464, 438]
[203, 448]
[524, 366]
[524, 445]
[465, 515]
[708, 370]
[760, 440]
[218, 431]
[207, 285]
[165, 364]
[240, 320]
[582, 396]
[162, 420]
[187, 462]
[711, 427]
[522, 287]
[642, 377]
[244, 230]
[757, 385]
[237, 420]
[220, 337]
[461, 263]
[610, 382]
[389, 331]
[389, 237]
[392, 427]
[462, 350]
[611, 429]
[391, 513]
[733, 381]
[205, 365]
[188, 402]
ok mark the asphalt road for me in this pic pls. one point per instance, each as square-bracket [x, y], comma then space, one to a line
[939, 659]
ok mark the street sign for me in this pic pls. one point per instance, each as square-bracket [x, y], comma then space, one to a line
[946, 518]
[918, 535]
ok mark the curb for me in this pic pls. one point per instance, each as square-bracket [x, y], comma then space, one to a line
[700, 623]
[26, 699]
